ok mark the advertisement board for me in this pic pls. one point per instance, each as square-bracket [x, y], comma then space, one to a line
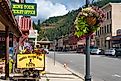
[30, 60]
[25, 9]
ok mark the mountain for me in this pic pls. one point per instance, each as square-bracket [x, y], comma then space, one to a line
[56, 27]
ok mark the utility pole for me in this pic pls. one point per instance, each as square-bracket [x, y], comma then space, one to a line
[87, 76]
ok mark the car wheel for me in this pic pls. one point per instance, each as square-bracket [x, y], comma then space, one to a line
[116, 55]
[106, 54]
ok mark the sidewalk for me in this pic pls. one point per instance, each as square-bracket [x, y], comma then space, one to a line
[58, 72]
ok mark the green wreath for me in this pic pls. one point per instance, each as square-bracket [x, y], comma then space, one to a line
[88, 21]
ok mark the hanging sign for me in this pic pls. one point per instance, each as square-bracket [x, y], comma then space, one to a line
[25, 9]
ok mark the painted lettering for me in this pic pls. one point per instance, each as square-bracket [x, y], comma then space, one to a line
[29, 12]
[22, 58]
[18, 11]
[17, 6]
[39, 58]
[28, 6]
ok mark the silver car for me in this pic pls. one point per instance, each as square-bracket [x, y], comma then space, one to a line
[97, 51]
[110, 51]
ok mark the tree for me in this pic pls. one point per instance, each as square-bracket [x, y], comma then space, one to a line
[34, 25]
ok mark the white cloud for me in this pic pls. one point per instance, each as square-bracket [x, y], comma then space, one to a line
[46, 9]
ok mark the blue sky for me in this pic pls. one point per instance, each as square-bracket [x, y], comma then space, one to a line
[50, 8]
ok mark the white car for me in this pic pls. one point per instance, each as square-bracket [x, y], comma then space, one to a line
[96, 51]
[47, 51]
[110, 51]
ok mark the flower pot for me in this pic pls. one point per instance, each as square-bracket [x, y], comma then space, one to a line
[91, 21]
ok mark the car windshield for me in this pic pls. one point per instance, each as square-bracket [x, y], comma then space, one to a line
[111, 48]
[93, 47]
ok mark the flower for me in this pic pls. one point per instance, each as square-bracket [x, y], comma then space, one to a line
[88, 21]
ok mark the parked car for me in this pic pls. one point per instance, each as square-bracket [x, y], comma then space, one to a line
[66, 49]
[91, 48]
[47, 51]
[110, 51]
[118, 52]
[80, 49]
[97, 51]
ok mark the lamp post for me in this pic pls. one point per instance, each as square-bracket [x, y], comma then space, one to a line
[87, 75]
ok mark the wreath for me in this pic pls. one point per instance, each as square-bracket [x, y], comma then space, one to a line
[88, 21]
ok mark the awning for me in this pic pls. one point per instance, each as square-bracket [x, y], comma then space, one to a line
[44, 42]
[7, 18]
[118, 37]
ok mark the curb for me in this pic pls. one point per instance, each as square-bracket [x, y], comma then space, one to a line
[75, 73]
[70, 70]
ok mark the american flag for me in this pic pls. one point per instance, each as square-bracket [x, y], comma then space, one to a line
[25, 23]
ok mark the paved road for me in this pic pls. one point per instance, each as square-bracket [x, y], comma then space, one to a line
[103, 68]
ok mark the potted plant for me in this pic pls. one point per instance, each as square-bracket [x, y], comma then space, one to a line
[88, 21]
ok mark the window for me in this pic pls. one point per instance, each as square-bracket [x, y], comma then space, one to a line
[100, 30]
[107, 28]
[104, 29]
[110, 14]
[110, 28]
[96, 33]
[107, 16]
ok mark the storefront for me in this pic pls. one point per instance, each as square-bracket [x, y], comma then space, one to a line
[8, 24]
[116, 41]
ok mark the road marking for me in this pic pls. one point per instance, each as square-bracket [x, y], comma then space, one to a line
[116, 75]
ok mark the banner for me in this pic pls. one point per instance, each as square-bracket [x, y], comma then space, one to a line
[25, 9]
[30, 60]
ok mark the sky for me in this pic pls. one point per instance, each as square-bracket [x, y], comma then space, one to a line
[51, 8]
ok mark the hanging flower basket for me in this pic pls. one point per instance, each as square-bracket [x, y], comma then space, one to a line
[91, 21]
[88, 21]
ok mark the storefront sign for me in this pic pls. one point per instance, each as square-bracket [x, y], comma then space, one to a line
[25, 9]
[30, 60]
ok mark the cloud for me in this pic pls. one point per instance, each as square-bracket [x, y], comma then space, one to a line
[46, 9]
[50, 8]
[70, 4]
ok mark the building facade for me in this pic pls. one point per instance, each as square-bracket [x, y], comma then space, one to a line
[110, 26]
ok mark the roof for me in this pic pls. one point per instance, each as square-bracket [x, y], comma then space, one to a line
[46, 42]
[110, 4]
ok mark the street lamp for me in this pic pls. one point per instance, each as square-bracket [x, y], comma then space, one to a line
[87, 75]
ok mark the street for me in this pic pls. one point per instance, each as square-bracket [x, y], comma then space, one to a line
[103, 68]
